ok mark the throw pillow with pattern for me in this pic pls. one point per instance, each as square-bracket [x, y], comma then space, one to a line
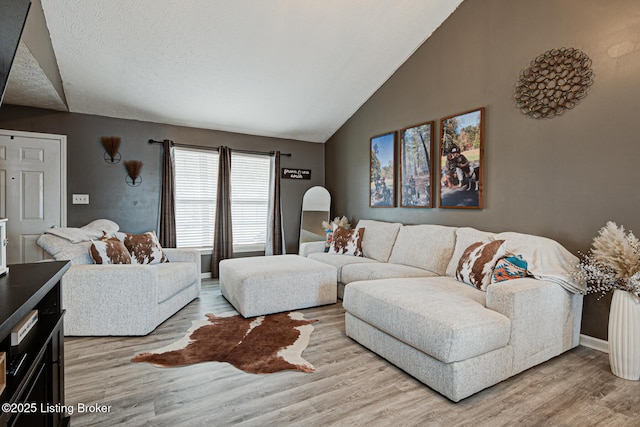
[347, 242]
[509, 268]
[328, 238]
[109, 251]
[144, 248]
[477, 262]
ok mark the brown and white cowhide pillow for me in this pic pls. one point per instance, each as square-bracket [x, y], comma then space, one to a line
[347, 242]
[109, 251]
[144, 248]
[477, 262]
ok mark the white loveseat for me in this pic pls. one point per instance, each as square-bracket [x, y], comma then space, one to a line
[403, 302]
[127, 299]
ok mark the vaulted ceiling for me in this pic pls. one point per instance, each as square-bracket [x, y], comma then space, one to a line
[285, 68]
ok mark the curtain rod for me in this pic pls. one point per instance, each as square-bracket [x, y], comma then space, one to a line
[200, 147]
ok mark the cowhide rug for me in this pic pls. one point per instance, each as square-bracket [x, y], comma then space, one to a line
[258, 345]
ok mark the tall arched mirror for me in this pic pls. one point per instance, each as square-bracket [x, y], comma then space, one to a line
[315, 209]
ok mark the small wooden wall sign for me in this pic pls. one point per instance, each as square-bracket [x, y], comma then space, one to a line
[296, 173]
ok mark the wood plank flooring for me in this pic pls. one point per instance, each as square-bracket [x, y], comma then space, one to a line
[351, 386]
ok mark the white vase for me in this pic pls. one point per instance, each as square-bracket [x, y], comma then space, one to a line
[624, 335]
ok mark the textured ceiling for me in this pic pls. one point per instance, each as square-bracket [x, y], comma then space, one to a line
[28, 84]
[285, 68]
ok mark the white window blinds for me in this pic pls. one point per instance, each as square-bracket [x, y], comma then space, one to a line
[196, 173]
[249, 200]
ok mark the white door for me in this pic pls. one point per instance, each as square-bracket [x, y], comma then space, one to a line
[32, 190]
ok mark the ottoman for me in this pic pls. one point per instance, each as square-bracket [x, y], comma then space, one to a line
[271, 284]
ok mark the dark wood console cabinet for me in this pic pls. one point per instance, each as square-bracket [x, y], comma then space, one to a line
[39, 383]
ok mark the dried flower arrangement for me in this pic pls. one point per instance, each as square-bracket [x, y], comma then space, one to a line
[134, 167]
[613, 262]
[337, 222]
[111, 144]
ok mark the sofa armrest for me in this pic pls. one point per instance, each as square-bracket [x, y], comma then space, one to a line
[126, 284]
[307, 248]
[182, 255]
[110, 299]
[185, 255]
[545, 318]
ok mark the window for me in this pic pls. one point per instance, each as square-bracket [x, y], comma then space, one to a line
[196, 173]
[249, 200]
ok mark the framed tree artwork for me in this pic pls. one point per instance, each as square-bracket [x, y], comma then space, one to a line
[416, 166]
[382, 162]
[461, 170]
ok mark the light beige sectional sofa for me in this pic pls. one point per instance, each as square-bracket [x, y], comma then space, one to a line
[403, 302]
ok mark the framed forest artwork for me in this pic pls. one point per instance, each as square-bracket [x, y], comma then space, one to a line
[416, 166]
[461, 171]
[382, 162]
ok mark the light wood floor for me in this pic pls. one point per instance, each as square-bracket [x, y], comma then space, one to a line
[351, 386]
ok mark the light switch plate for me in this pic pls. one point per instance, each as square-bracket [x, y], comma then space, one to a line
[80, 199]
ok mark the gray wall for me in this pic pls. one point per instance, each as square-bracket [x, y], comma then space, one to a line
[135, 209]
[562, 178]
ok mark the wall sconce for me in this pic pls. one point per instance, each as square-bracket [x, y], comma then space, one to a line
[134, 167]
[111, 145]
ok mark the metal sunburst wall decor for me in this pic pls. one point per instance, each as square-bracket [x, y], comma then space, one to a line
[554, 82]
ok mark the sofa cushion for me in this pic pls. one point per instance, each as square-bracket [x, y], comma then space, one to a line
[378, 240]
[109, 251]
[347, 242]
[382, 270]
[465, 236]
[439, 316]
[477, 262]
[428, 247]
[340, 261]
[173, 277]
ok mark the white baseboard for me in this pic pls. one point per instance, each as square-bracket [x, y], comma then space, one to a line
[205, 275]
[594, 343]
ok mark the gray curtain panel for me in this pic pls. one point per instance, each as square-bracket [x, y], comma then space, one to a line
[222, 236]
[168, 197]
[275, 231]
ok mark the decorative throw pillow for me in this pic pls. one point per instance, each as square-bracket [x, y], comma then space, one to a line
[509, 268]
[144, 248]
[347, 242]
[477, 262]
[328, 239]
[109, 251]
